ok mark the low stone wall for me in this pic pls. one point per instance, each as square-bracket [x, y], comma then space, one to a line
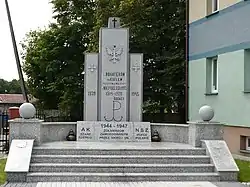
[56, 131]
[42, 132]
[177, 133]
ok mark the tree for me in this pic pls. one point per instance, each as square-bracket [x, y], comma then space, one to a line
[4, 86]
[15, 87]
[157, 29]
[53, 58]
[12, 87]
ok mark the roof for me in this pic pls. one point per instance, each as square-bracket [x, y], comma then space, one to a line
[12, 98]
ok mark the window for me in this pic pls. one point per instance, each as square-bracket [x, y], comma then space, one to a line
[214, 75]
[215, 5]
[248, 143]
[212, 6]
[246, 71]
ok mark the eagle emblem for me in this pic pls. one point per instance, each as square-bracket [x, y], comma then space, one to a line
[114, 54]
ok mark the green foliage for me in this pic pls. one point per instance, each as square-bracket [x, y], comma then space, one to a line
[2, 173]
[157, 29]
[12, 87]
[244, 167]
[53, 58]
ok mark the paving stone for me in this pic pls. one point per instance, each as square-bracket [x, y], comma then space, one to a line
[126, 184]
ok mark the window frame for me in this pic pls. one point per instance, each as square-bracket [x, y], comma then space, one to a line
[248, 143]
[213, 5]
[214, 90]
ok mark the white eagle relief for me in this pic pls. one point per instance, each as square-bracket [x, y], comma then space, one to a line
[114, 54]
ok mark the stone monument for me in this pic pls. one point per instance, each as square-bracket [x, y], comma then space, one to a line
[113, 89]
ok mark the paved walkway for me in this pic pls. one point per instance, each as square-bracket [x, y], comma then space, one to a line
[125, 184]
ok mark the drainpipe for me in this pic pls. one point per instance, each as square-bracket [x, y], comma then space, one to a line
[187, 60]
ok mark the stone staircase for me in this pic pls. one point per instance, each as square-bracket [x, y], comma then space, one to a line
[142, 164]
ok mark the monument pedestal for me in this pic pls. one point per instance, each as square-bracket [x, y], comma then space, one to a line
[26, 129]
[113, 78]
[199, 131]
[90, 131]
[113, 90]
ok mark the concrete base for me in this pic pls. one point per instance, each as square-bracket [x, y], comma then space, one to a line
[177, 133]
[16, 177]
[56, 131]
[228, 175]
[26, 129]
[199, 131]
[18, 162]
[222, 159]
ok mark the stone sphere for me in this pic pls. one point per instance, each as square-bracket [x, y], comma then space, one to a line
[206, 113]
[27, 110]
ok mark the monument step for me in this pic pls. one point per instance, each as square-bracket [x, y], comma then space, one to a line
[122, 168]
[101, 177]
[70, 151]
[122, 159]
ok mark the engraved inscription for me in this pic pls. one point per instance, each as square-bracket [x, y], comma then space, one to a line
[85, 131]
[115, 87]
[142, 132]
[115, 131]
[135, 94]
[91, 93]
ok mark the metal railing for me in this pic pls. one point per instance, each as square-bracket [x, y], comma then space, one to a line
[4, 132]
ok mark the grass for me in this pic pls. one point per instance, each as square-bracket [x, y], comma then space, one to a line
[244, 167]
[2, 173]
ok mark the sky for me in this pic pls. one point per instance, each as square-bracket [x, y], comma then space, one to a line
[26, 15]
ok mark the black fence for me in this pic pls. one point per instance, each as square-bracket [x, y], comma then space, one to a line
[164, 118]
[178, 118]
[4, 132]
[50, 116]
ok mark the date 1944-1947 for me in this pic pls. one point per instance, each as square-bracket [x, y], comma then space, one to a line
[110, 125]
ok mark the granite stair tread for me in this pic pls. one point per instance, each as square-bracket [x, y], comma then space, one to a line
[120, 149]
[109, 162]
[120, 165]
[118, 174]
[120, 152]
[113, 146]
[121, 156]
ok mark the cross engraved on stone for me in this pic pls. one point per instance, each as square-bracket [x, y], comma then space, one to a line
[113, 22]
[136, 67]
[92, 67]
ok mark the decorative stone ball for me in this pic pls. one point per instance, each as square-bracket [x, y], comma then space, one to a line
[206, 113]
[27, 110]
